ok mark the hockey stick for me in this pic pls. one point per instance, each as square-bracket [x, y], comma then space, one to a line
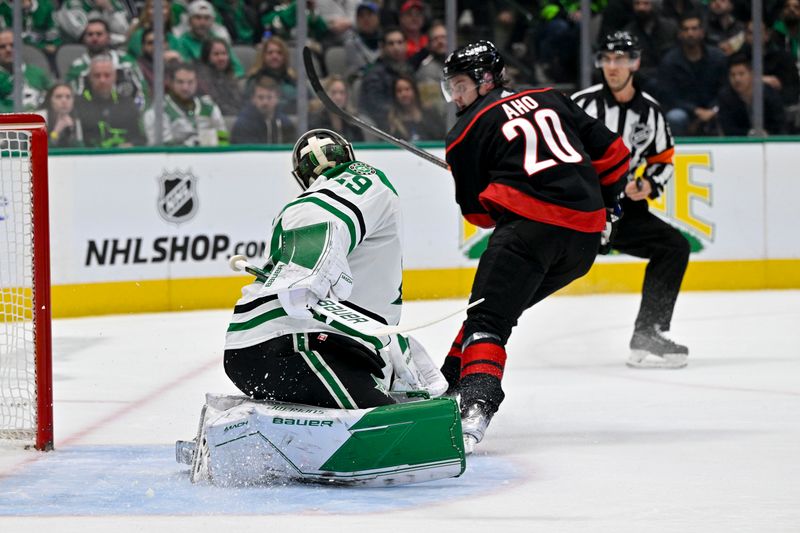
[343, 313]
[331, 106]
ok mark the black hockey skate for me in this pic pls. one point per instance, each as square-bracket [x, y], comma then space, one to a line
[475, 418]
[650, 348]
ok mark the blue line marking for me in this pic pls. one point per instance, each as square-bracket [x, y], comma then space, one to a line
[146, 480]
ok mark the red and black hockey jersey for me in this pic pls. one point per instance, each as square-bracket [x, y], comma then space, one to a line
[537, 154]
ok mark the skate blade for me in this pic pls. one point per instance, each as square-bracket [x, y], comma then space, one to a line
[469, 444]
[645, 359]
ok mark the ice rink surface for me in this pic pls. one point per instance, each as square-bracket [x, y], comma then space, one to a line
[582, 443]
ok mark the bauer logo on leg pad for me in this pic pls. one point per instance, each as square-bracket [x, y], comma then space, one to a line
[302, 422]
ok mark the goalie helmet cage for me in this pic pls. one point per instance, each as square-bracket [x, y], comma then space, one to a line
[26, 406]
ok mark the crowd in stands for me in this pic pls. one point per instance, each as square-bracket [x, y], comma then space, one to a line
[230, 75]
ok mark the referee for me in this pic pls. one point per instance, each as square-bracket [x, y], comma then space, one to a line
[638, 118]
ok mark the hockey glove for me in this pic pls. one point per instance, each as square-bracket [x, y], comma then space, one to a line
[413, 368]
[661, 170]
[613, 216]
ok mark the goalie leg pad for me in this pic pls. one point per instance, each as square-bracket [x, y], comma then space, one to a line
[254, 442]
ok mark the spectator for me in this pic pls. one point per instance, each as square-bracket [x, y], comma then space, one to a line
[676, 9]
[201, 22]
[339, 16]
[189, 120]
[129, 79]
[273, 60]
[691, 76]
[171, 15]
[74, 15]
[240, 19]
[557, 38]
[145, 60]
[407, 119]
[656, 35]
[215, 77]
[428, 64]
[376, 89]
[722, 28]
[736, 101]
[780, 71]
[35, 80]
[787, 29]
[282, 20]
[336, 89]
[412, 20]
[435, 50]
[38, 26]
[110, 119]
[362, 46]
[261, 122]
[63, 125]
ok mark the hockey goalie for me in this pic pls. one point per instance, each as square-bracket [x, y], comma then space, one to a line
[323, 400]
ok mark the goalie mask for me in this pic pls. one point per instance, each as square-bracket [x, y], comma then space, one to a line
[317, 151]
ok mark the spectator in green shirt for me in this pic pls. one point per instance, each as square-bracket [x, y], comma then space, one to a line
[787, 29]
[282, 20]
[38, 27]
[240, 20]
[201, 21]
[35, 80]
[171, 12]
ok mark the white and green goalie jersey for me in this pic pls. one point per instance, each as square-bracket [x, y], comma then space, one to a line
[360, 200]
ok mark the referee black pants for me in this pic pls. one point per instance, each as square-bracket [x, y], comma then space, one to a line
[524, 262]
[642, 234]
[320, 369]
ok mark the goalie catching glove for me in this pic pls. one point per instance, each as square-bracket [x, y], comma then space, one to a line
[312, 266]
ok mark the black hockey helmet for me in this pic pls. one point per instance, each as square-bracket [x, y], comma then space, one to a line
[619, 42]
[474, 60]
[317, 151]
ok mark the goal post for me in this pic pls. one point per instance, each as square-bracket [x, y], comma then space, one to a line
[26, 404]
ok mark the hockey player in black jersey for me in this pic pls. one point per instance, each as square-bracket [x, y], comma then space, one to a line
[543, 173]
[638, 118]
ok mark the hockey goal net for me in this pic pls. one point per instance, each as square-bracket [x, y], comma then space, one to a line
[26, 411]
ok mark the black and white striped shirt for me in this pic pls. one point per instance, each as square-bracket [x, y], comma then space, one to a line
[642, 126]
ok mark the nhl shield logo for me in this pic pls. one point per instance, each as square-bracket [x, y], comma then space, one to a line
[640, 136]
[177, 200]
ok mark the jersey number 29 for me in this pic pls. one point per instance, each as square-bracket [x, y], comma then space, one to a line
[551, 132]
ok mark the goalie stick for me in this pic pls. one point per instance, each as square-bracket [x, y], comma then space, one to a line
[343, 313]
[331, 106]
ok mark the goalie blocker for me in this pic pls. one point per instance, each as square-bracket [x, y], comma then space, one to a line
[241, 441]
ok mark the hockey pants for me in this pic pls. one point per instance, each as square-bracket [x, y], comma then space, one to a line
[320, 369]
[642, 234]
[524, 262]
